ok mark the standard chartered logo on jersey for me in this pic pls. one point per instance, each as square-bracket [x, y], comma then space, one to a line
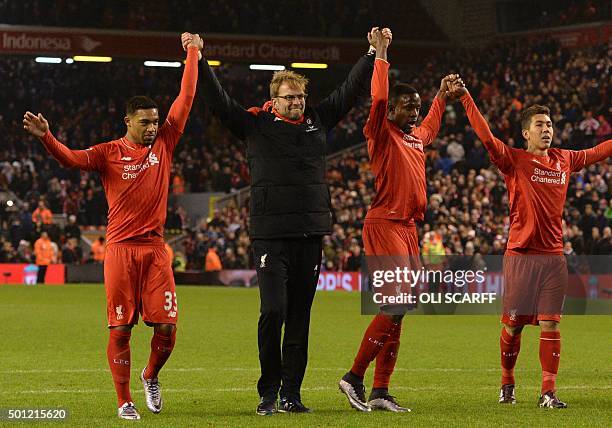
[548, 177]
[131, 171]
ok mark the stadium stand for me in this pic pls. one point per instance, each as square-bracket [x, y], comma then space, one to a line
[467, 198]
[316, 18]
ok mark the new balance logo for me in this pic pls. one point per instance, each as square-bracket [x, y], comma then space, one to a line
[126, 158]
[262, 261]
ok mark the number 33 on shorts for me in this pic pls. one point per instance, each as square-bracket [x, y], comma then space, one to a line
[170, 303]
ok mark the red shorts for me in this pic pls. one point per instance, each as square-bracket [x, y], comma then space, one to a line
[390, 238]
[390, 244]
[138, 279]
[534, 288]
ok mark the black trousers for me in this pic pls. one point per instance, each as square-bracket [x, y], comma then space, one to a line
[42, 271]
[287, 272]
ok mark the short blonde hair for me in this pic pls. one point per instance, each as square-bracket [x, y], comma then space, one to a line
[287, 76]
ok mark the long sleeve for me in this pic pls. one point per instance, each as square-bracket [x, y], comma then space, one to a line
[82, 159]
[598, 153]
[333, 108]
[500, 154]
[583, 158]
[376, 128]
[239, 121]
[179, 111]
[431, 124]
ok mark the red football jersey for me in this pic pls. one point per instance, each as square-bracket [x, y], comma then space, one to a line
[135, 178]
[397, 159]
[537, 186]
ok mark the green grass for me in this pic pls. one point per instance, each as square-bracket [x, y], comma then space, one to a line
[53, 354]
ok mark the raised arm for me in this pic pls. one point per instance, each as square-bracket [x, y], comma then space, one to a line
[376, 127]
[598, 153]
[238, 120]
[431, 124]
[499, 152]
[38, 126]
[337, 104]
[179, 111]
[584, 158]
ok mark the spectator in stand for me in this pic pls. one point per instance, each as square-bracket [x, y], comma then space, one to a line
[354, 261]
[605, 129]
[45, 255]
[69, 252]
[42, 215]
[98, 250]
[589, 125]
[212, 262]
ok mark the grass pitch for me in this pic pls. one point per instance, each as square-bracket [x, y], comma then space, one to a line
[54, 355]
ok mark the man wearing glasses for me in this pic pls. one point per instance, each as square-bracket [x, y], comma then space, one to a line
[290, 212]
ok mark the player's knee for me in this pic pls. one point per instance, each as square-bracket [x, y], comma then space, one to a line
[122, 327]
[164, 329]
[513, 330]
[548, 325]
[397, 319]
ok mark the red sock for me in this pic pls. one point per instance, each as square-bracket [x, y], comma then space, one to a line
[510, 347]
[387, 357]
[550, 352]
[373, 341]
[118, 353]
[161, 348]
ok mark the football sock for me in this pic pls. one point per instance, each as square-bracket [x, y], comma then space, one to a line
[509, 347]
[550, 352]
[161, 348]
[373, 341]
[386, 358]
[118, 353]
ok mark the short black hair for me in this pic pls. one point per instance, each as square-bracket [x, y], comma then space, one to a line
[139, 102]
[528, 113]
[400, 89]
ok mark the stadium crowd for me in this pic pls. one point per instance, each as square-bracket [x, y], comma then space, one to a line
[523, 15]
[467, 199]
[318, 18]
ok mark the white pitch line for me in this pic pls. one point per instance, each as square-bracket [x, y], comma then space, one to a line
[256, 369]
[319, 388]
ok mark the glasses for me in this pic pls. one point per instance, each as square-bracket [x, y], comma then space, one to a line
[292, 98]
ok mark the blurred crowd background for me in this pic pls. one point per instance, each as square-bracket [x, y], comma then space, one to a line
[467, 209]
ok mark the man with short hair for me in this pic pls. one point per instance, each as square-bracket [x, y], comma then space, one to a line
[396, 151]
[290, 212]
[135, 172]
[535, 270]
